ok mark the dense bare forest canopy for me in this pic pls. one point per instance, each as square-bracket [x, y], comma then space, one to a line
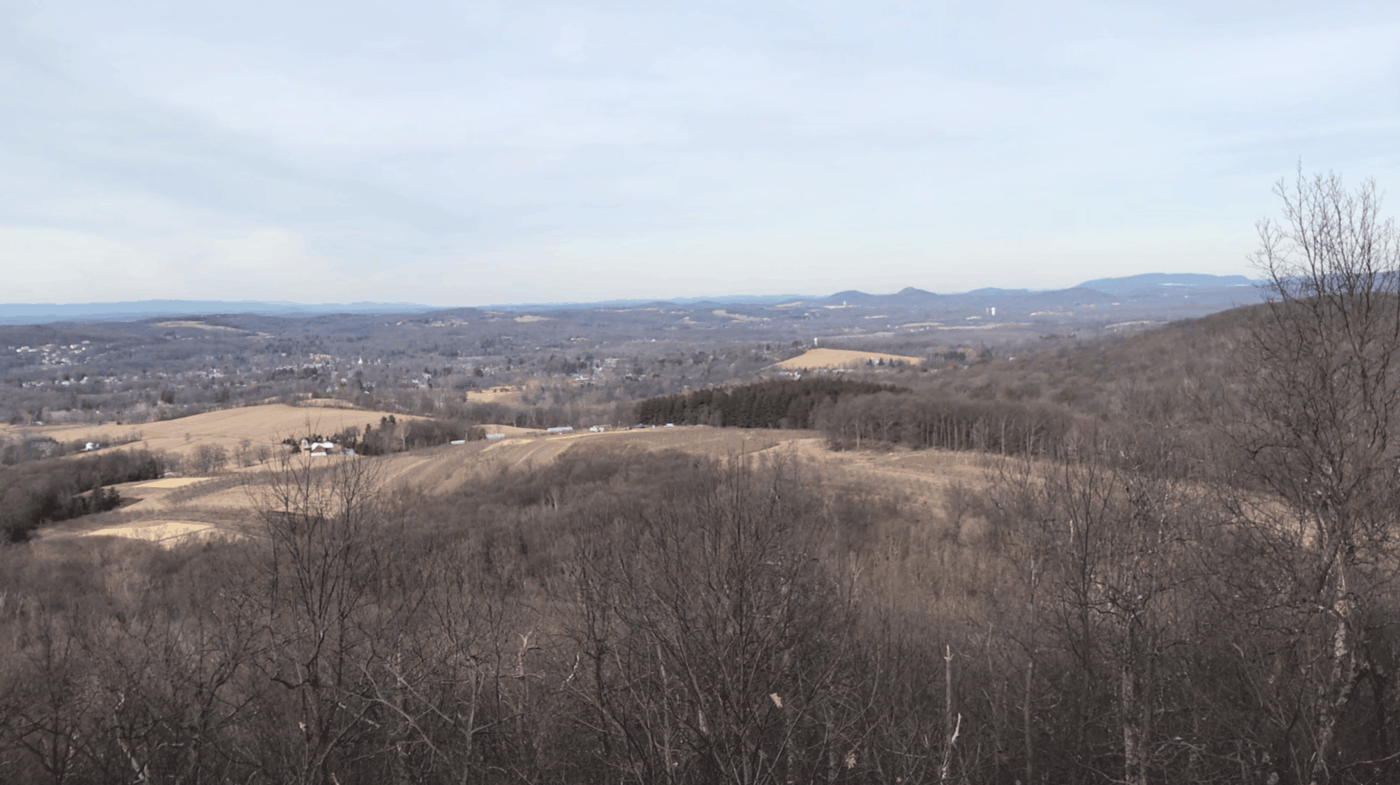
[1180, 566]
[782, 403]
[46, 491]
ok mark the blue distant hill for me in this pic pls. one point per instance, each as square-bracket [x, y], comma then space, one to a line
[1227, 288]
[32, 313]
[39, 313]
[992, 291]
[1137, 283]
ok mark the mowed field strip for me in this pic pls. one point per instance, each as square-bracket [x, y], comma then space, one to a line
[169, 482]
[165, 532]
[840, 358]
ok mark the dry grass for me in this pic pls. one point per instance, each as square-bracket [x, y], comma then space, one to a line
[225, 503]
[169, 482]
[164, 532]
[265, 425]
[506, 395]
[840, 358]
[326, 403]
[512, 431]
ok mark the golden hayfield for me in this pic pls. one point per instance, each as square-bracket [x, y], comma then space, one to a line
[840, 358]
[503, 394]
[170, 509]
[165, 532]
[171, 482]
[268, 424]
[511, 431]
[327, 403]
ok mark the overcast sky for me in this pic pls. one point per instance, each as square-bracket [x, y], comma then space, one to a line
[465, 153]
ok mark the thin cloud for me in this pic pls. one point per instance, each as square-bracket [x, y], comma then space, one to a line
[482, 152]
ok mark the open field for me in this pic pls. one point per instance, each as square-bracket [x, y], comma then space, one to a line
[511, 431]
[840, 358]
[267, 424]
[164, 532]
[165, 510]
[327, 403]
[170, 482]
[198, 325]
[495, 395]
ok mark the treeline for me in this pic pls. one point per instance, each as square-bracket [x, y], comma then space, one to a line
[573, 413]
[34, 448]
[784, 403]
[391, 435]
[40, 492]
[852, 414]
[939, 420]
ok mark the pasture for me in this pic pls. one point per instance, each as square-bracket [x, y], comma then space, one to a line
[841, 358]
[169, 507]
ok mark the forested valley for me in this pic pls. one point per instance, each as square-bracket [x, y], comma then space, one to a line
[1186, 573]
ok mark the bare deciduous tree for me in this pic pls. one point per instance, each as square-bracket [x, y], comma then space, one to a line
[208, 459]
[1315, 425]
[714, 638]
[326, 606]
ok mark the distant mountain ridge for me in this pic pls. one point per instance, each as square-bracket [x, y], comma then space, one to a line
[19, 313]
[1097, 290]
[1136, 283]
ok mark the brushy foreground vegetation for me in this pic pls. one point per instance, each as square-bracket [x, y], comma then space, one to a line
[624, 617]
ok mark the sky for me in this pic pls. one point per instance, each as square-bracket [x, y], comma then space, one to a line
[469, 153]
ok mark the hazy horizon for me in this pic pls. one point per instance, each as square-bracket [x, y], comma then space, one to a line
[488, 153]
[730, 297]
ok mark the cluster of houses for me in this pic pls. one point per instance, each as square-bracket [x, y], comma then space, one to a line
[318, 449]
[321, 449]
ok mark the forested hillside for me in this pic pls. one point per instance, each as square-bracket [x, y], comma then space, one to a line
[57, 490]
